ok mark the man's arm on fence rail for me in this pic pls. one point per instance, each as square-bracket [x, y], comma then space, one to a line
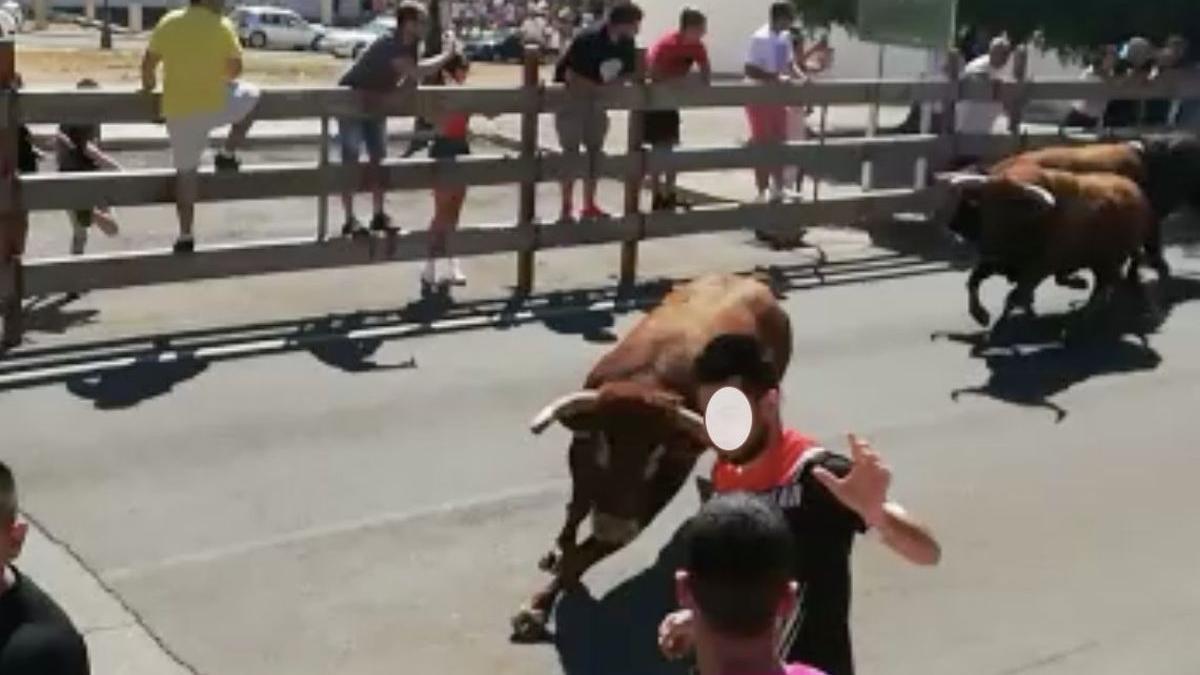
[150, 63]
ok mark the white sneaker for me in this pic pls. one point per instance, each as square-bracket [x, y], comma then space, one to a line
[761, 198]
[455, 275]
[777, 195]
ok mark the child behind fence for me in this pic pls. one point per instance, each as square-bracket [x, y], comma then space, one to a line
[77, 149]
[450, 143]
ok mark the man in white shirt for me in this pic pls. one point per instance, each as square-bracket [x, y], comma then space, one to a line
[979, 117]
[770, 61]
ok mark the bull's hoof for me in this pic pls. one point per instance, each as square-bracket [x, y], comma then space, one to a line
[529, 626]
[549, 562]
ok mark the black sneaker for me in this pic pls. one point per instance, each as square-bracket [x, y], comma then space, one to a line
[227, 163]
[184, 246]
[383, 223]
[353, 228]
[659, 203]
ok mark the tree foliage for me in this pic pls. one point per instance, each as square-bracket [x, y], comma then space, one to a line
[1067, 25]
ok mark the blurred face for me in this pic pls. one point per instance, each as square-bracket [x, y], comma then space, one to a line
[414, 30]
[695, 34]
[12, 538]
[626, 31]
[999, 55]
[765, 411]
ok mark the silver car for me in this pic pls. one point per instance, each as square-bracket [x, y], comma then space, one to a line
[275, 28]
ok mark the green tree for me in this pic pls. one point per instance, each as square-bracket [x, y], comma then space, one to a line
[1067, 25]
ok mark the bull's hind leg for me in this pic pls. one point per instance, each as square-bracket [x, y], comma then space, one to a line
[982, 272]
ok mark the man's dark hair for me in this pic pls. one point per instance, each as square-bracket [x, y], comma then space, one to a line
[691, 17]
[782, 10]
[624, 14]
[410, 11]
[737, 356]
[8, 495]
[738, 555]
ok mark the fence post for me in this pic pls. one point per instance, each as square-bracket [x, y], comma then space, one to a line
[14, 220]
[41, 15]
[135, 17]
[527, 208]
[89, 9]
[1017, 102]
[954, 65]
[633, 180]
[323, 163]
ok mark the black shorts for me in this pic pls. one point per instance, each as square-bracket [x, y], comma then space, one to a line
[449, 148]
[662, 127]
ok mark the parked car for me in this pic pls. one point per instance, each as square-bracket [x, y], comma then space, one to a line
[350, 43]
[275, 28]
[17, 13]
[493, 45]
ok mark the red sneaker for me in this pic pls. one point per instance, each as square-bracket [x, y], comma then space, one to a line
[593, 212]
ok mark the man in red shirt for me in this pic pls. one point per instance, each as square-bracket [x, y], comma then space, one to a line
[672, 58]
[826, 498]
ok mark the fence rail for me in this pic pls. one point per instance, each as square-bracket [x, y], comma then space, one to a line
[20, 195]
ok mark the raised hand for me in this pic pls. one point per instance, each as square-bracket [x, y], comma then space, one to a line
[865, 489]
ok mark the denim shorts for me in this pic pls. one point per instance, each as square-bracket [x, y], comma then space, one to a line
[356, 132]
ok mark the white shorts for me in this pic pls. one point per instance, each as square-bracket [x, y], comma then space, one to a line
[189, 135]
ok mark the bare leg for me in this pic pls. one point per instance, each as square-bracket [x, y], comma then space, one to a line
[187, 187]
[237, 135]
[568, 199]
[375, 179]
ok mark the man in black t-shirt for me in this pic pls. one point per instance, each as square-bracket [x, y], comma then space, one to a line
[826, 498]
[600, 56]
[36, 637]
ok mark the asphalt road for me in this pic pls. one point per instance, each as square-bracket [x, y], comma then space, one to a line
[373, 503]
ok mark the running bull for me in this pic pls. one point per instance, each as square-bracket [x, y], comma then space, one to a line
[1031, 223]
[1166, 167]
[636, 435]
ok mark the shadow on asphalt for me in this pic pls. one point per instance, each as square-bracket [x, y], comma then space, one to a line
[125, 387]
[123, 372]
[1030, 360]
[619, 632]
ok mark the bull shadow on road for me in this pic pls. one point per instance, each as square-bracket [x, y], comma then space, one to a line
[618, 633]
[127, 386]
[1031, 360]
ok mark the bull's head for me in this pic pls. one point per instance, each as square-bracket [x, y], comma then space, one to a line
[978, 193]
[633, 445]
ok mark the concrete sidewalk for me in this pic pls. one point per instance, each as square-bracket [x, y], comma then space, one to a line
[118, 642]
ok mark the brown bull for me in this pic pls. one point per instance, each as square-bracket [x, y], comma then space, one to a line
[1031, 223]
[636, 435]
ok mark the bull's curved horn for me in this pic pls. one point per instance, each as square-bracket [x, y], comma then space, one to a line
[564, 407]
[1040, 193]
[692, 424]
[1138, 145]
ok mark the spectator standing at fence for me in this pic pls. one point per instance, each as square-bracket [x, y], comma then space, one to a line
[736, 588]
[390, 62]
[1169, 62]
[673, 58]
[603, 55]
[1089, 113]
[1136, 62]
[202, 61]
[450, 143]
[77, 149]
[36, 636]
[827, 498]
[771, 61]
[980, 117]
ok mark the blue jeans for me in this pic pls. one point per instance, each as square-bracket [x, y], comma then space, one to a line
[357, 132]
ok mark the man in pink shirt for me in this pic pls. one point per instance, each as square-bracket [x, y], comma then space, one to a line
[736, 589]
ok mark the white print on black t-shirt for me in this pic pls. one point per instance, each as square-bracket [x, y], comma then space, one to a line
[609, 70]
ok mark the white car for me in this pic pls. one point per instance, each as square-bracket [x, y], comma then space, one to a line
[275, 28]
[352, 43]
[16, 12]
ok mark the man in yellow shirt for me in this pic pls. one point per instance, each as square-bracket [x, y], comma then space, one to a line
[201, 60]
